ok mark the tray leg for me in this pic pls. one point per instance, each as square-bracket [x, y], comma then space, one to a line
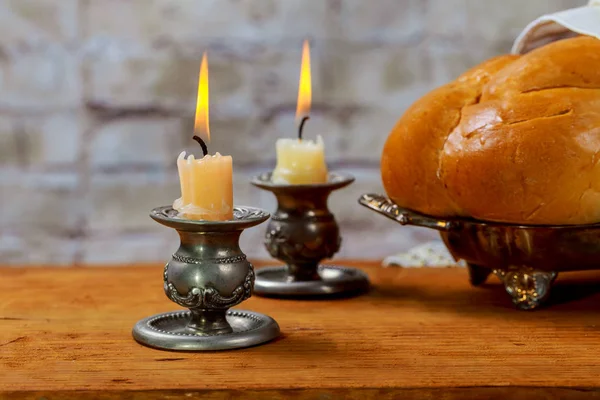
[477, 274]
[527, 287]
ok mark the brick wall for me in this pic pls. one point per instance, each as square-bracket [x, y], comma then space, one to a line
[97, 100]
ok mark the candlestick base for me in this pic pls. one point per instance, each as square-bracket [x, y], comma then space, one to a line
[208, 274]
[172, 331]
[331, 280]
[301, 233]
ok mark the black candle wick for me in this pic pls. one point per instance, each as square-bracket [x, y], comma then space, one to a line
[202, 144]
[301, 127]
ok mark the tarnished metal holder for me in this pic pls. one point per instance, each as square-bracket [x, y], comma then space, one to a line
[302, 233]
[208, 274]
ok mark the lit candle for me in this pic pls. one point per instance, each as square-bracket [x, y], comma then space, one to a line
[206, 183]
[301, 161]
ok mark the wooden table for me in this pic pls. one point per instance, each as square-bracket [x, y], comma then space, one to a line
[420, 333]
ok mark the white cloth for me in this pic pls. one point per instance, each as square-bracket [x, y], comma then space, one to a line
[430, 254]
[560, 25]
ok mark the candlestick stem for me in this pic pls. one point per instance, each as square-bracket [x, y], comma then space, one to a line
[210, 322]
[303, 272]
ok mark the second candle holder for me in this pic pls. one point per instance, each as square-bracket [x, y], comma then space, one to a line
[301, 233]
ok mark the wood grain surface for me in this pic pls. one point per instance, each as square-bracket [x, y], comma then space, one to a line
[419, 333]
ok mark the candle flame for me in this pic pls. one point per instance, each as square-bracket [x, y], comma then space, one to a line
[201, 126]
[304, 87]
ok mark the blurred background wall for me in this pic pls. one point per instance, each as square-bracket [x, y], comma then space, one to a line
[97, 100]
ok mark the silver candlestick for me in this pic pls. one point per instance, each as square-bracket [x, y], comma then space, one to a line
[301, 233]
[208, 274]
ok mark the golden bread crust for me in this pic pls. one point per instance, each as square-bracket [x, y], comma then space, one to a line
[515, 139]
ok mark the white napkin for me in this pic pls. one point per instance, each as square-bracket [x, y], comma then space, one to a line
[560, 25]
[430, 254]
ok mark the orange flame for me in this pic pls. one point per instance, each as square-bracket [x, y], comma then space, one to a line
[201, 127]
[304, 87]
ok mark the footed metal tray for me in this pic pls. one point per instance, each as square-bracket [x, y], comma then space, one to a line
[527, 258]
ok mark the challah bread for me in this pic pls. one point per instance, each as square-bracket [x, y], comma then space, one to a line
[515, 139]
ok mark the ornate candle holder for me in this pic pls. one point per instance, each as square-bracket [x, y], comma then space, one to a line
[208, 274]
[301, 233]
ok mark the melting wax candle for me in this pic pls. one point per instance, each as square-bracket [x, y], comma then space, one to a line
[206, 187]
[206, 183]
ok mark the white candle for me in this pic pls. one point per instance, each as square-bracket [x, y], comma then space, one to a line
[206, 187]
[301, 161]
